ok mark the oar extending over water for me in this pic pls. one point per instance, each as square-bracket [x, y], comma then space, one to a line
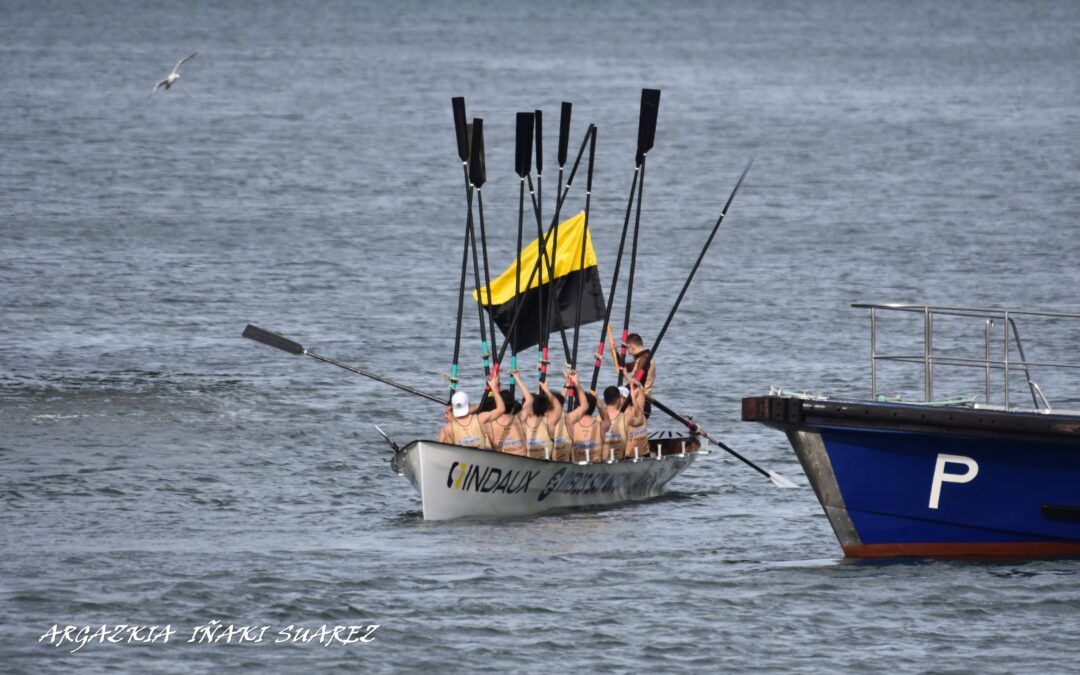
[777, 479]
[690, 277]
[286, 345]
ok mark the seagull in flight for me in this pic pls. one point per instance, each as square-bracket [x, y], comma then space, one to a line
[169, 81]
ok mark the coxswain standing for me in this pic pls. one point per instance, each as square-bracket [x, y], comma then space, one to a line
[637, 350]
[465, 427]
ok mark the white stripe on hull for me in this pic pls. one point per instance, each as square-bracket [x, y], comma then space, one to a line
[456, 482]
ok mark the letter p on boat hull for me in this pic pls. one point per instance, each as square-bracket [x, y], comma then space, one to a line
[457, 482]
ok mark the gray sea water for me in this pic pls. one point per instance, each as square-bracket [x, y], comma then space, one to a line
[156, 468]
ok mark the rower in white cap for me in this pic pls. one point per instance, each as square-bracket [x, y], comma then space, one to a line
[464, 426]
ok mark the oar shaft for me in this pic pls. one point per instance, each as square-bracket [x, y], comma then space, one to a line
[276, 341]
[517, 273]
[461, 286]
[633, 266]
[697, 263]
[584, 242]
[694, 428]
[690, 277]
[487, 267]
[543, 242]
[374, 376]
[479, 305]
[614, 281]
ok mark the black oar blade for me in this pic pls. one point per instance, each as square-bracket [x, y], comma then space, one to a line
[650, 108]
[539, 125]
[272, 339]
[459, 127]
[477, 174]
[592, 159]
[564, 131]
[523, 156]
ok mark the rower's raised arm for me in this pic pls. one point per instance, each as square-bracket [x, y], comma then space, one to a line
[525, 393]
[500, 406]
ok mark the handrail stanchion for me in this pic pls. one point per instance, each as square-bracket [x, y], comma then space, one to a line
[1005, 328]
[986, 350]
[930, 357]
[927, 373]
[873, 353]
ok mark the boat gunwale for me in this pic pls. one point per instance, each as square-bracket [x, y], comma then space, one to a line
[789, 412]
[695, 450]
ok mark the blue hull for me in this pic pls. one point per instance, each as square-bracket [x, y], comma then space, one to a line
[904, 485]
[897, 496]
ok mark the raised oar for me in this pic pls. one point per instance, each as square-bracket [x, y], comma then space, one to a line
[485, 351]
[458, 104]
[777, 479]
[286, 345]
[538, 126]
[545, 261]
[564, 138]
[522, 162]
[697, 264]
[650, 106]
[551, 311]
[584, 240]
[543, 241]
[477, 177]
[542, 348]
[599, 356]
[689, 278]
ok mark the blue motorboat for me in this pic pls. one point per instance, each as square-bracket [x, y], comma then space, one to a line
[955, 477]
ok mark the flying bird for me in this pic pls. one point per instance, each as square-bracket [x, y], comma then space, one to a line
[169, 81]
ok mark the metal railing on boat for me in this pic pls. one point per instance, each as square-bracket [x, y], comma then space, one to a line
[990, 318]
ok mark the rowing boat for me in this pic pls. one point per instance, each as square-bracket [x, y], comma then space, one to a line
[458, 482]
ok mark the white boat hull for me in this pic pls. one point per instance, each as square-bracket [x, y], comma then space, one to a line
[456, 482]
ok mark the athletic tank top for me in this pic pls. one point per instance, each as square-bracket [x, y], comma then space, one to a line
[470, 434]
[538, 439]
[615, 438]
[587, 443]
[504, 442]
[637, 437]
[560, 442]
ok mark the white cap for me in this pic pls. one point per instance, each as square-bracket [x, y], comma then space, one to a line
[459, 402]
[624, 392]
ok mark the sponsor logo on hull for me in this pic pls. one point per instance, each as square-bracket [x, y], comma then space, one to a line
[488, 479]
[585, 483]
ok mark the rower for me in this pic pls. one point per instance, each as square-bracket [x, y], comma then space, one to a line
[506, 432]
[536, 420]
[637, 432]
[465, 427]
[586, 431]
[562, 444]
[620, 421]
[637, 350]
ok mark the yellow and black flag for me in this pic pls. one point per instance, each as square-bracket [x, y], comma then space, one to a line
[570, 275]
